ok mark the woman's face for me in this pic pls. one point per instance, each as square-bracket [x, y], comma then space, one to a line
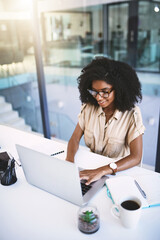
[101, 86]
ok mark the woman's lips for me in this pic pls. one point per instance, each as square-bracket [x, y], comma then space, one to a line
[101, 102]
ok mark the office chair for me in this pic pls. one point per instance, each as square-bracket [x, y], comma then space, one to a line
[6, 59]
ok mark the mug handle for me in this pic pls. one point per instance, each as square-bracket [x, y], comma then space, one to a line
[115, 211]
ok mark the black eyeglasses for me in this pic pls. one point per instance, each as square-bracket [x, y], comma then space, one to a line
[104, 94]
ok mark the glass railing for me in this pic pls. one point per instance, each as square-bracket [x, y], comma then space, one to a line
[62, 126]
[17, 90]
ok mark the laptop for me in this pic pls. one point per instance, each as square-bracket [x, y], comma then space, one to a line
[56, 176]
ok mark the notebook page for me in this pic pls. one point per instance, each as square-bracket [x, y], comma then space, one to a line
[151, 185]
[124, 186]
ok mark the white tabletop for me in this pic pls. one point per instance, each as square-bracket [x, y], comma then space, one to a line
[27, 212]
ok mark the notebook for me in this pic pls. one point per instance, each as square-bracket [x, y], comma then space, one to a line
[125, 186]
[56, 176]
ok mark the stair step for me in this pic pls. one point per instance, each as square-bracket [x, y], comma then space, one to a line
[25, 127]
[5, 107]
[16, 122]
[8, 116]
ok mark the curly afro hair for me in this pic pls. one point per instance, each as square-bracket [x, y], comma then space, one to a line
[119, 74]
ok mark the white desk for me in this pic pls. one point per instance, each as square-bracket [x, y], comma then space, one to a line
[28, 213]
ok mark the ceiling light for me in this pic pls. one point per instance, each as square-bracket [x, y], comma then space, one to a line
[156, 8]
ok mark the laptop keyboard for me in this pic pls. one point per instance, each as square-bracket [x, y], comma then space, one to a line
[85, 188]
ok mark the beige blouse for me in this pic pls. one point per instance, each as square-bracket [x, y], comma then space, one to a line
[110, 139]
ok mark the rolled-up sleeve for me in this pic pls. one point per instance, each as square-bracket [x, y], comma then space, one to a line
[81, 117]
[136, 127]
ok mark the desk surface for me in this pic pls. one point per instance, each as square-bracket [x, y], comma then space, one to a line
[30, 213]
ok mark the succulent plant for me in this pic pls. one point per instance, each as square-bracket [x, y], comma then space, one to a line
[88, 216]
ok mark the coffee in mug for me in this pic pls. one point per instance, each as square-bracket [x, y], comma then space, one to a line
[130, 205]
[128, 211]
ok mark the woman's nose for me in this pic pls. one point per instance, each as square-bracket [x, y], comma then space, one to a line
[98, 97]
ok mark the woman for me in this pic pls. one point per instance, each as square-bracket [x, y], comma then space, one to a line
[109, 120]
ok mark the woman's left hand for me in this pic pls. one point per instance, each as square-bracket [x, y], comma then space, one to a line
[91, 175]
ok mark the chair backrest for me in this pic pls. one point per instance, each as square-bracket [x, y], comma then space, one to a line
[6, 56]
[18, 56]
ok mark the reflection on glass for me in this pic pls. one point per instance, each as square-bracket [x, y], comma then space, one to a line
[148, 49]
[118, 31]
[70, 40]
[18, 83]
[66, 36]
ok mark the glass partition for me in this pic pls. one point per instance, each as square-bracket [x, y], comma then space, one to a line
[148, 49]
[118, 31]
[19, 100]
[70, 40]
[65, 34]
[134, 34]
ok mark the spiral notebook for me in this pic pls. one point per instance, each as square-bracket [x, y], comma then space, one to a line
[122, 186]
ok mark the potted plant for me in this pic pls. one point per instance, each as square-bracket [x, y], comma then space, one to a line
[88, 219]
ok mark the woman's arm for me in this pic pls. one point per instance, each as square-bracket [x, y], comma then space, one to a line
[73, 143]
[127, 162]
[135, 156]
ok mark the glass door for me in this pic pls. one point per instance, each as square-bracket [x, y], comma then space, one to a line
[134, 34]
[122, 31]
[148, 48]
[118, 31]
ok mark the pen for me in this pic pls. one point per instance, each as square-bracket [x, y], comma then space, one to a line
[11, 157]
[53, 154]
[140, 189]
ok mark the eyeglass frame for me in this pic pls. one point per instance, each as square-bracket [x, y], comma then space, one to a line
[100, 92]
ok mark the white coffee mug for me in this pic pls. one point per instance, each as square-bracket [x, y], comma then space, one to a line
[128, 211]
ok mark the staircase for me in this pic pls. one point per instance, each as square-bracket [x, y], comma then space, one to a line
[10, 117]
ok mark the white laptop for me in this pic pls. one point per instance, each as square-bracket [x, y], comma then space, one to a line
[56, 176]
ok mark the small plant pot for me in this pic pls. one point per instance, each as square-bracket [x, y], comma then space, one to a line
[88, 219]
